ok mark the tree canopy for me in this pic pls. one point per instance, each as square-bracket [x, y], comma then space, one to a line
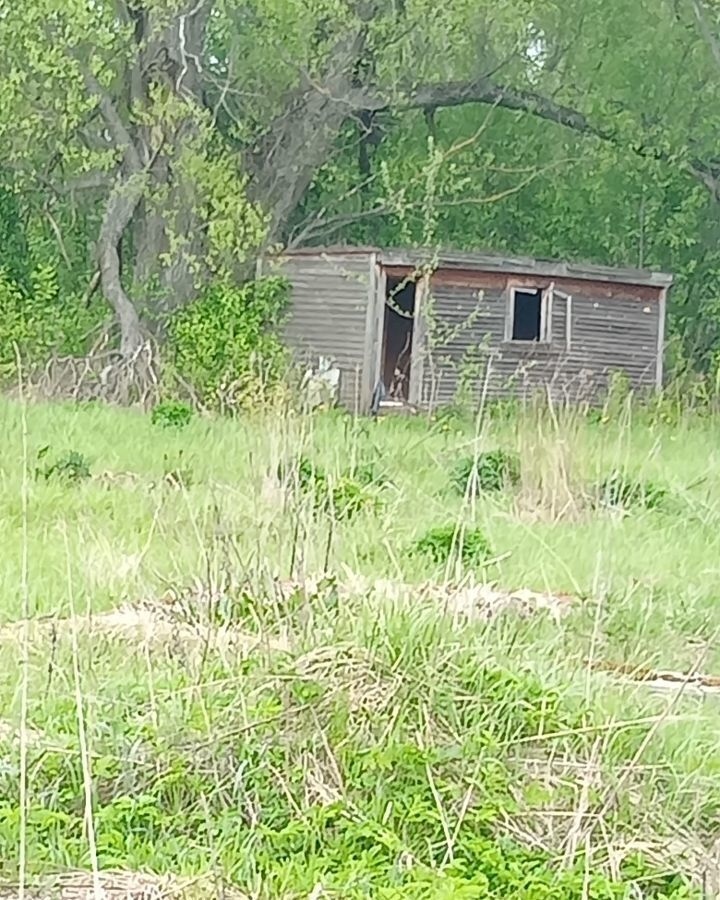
[152, 147]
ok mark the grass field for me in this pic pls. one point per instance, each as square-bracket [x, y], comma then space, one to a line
[223, 666]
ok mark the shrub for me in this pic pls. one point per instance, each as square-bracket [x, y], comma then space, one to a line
[345, 496]
[449, 542]
[226, 342]
[40, 320]
[621, 491]
[73, 466]
[495, 470]
[171, 414]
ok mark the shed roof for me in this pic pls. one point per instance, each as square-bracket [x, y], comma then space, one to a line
[494, 262]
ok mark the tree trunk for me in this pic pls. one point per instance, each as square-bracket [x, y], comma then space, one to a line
[119, 211]
[302, 139]
[168, 235]
[169, 249]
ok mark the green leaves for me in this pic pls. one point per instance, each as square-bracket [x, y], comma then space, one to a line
[225, 342]
[642, 73]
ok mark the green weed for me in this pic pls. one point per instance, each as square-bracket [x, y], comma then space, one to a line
[495, 470]
[303, 713]
[171, 414]
[620, 490]
[72, 466]
[448, 542]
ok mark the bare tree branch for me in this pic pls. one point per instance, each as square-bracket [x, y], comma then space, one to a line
[58, 236]
[485, 91]
[185, 54]
[119, 133]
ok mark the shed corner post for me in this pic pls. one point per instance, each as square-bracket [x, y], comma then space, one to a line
[662, 310]
[369, 362]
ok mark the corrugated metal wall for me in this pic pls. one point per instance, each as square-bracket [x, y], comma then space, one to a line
[611, 329]
[329, 315]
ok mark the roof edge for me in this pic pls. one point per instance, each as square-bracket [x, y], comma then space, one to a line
[493, 262]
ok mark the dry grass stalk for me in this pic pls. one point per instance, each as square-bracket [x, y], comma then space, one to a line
[101, 375]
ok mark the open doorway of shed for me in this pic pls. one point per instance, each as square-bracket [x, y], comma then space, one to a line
[398, 336]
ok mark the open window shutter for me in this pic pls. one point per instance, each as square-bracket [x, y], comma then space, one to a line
[555, 297]
[546, 318]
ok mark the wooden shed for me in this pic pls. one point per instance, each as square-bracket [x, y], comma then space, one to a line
[419, 327]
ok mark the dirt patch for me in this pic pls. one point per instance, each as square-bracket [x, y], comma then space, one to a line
[149, 624]
[659, 679]
[470, 601]
[10, 734]
[120, 885]
[203, 618]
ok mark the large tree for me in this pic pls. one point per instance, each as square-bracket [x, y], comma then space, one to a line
[199, 129]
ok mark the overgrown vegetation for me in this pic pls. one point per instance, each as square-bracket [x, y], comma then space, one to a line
[620, 490]
[447, 543]
[344, 495]
[172, 414]
[303, 698]
[565, 151]
[226, 344]
[288, 699]
[37, 320]
[494, 470]
[71, 466]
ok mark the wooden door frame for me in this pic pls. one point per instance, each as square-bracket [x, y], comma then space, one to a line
[417, 355]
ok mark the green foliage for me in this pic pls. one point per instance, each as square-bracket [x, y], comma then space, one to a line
[619, 489]
[39, 321]
[72, 466]
[508, 181]
[382, 838]
[450, 542]
[234, 225]
[226, 343]
[495, 470]
[343, 496]
[171, 414]
[347, 732]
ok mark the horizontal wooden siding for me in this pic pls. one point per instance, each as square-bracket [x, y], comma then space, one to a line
[612, 328]
[328, 315]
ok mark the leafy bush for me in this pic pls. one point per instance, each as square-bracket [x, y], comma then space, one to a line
[40, 321]
[495, 470]
[344, 496]
[171, 414]
[226, 342]
[619, 490]
[73, 466]
[451, 542]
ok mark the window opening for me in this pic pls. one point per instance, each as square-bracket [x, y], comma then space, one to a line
[527, 315]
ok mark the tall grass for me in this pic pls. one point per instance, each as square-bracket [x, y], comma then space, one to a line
[360, 740]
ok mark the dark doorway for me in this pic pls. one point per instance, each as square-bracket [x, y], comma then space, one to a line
[398, 337]
[527, 315]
